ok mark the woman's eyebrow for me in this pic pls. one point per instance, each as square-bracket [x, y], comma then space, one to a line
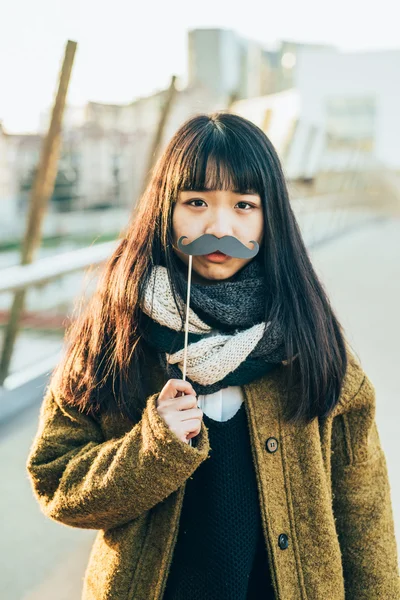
[235, 191]
[245, 192]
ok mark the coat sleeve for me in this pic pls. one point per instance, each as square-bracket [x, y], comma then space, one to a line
[82, 480]
[362, 501]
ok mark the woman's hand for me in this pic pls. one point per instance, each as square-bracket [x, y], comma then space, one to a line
[180, 413]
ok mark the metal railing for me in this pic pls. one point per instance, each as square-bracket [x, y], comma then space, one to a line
[47, 269]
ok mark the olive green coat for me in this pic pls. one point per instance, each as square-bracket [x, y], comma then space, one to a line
[326, 487]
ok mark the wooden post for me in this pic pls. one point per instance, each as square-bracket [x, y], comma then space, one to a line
[41, 192]
[289, 139]
[232, 98]
[308, 146]
[157, 140]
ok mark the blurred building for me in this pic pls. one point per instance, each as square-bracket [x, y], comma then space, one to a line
[214, 57]
[287, 57]
[19, 154]
[105, 147]
[8, 209]
[340, 113]
[320, 107]
[110, 147]
[104, 153]
[229, 64]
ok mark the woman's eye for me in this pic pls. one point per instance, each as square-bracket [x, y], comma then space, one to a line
[195, 200]
[201, 202]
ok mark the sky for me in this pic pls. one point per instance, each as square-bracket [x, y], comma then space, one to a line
[128, 49]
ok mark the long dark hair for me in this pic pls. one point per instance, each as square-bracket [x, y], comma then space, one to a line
[105, 353]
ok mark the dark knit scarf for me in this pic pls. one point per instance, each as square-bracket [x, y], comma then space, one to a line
[228, 307]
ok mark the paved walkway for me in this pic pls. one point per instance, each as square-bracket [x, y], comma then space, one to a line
[44, 560]
[361, 273]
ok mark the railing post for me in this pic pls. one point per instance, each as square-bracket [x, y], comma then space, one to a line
[40, 195]
[158, 136]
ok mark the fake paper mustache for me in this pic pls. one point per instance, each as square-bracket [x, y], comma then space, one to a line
[208, 243]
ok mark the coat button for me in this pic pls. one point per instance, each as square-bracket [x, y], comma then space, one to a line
[283, 541]
[272, 444]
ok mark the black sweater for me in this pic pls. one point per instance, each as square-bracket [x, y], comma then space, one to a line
[220, 550]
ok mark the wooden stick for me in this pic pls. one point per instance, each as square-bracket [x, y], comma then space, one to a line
[187, 317]
[187, 325]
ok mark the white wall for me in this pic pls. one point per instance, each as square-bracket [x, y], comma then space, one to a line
[320, 75]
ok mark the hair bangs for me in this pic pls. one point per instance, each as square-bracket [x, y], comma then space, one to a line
[219, 163]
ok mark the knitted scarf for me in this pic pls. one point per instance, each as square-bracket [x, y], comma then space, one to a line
[228, 342]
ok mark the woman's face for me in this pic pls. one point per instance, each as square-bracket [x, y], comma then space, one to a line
[217, 212]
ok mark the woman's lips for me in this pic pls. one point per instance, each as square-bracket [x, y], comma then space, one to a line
[217, 257]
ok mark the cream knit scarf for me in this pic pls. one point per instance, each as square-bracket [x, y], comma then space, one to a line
[230, 354]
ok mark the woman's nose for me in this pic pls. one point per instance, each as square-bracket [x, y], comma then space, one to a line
[219, 225]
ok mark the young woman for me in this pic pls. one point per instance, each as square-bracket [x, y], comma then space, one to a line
[260, 476]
